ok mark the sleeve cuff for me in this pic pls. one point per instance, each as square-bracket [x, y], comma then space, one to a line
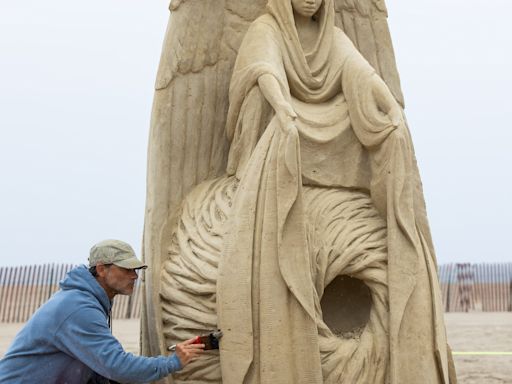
[174, 363]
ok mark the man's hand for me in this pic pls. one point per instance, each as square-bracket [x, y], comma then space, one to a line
[188, 351]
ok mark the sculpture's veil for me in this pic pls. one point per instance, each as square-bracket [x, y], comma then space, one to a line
[187, 142]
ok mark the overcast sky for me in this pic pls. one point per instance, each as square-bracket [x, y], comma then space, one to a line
[76, 87]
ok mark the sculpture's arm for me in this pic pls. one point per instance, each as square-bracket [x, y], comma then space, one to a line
[351, 57]
[272, 92]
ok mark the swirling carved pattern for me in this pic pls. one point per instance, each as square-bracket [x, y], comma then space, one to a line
[346, 236]
[189, 275]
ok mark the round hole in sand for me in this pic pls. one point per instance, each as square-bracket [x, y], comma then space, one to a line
[346, 305]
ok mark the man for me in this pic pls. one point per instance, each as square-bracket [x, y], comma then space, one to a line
[68, 339]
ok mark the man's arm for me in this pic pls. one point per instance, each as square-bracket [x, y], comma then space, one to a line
[85, 335]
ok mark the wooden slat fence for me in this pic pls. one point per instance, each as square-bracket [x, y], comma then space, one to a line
[476, 287]
[464, 287]
[23, 289]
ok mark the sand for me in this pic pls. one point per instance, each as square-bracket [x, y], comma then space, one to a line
[467, 332]
[481, 332]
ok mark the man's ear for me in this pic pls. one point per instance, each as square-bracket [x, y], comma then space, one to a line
[101, 270]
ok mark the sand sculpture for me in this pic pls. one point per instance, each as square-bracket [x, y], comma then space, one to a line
[284, 203]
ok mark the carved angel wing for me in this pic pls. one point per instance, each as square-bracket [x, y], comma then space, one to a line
[365, 23]
[187, 142]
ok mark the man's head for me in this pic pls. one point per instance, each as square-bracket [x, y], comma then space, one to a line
[115, 266]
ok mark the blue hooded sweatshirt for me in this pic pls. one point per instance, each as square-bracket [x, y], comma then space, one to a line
[68, 341]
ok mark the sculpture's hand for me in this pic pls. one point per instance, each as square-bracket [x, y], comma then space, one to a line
[284, 111]
[395, 115]
[188, 350]
[286, 116]
[386, 102]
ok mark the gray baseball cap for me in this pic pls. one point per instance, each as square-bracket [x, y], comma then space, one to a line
[114, 252]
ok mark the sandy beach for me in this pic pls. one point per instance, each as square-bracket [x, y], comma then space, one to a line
[467, 333]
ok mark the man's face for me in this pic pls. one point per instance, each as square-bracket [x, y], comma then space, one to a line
[116, 280]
